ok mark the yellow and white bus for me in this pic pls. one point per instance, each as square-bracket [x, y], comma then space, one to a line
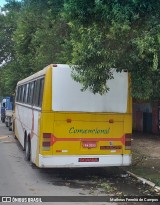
[58, 125]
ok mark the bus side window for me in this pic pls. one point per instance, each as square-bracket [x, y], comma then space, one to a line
[17, 93]
[24, 93]
[32, 92]
[38, 92]
[26, 96]
[29, 93]
[41, 92]
[20, 94]
[29, 96]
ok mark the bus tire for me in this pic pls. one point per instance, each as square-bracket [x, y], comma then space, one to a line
[28, 149]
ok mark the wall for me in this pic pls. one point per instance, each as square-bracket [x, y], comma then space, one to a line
[145, 117]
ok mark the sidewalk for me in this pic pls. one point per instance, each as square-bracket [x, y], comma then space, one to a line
[146, 157]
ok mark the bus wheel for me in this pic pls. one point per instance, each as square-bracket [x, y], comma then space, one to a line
[28, 149]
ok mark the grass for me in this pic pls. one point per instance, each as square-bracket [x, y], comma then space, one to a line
[147, 173]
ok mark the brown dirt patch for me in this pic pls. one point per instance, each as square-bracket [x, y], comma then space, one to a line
[146, 156]
[147, 145]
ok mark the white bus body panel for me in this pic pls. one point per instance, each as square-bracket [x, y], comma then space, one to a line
[26, 120]
[72, 161]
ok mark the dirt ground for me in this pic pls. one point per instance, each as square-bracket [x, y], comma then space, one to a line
[146, 156]
[148, 145]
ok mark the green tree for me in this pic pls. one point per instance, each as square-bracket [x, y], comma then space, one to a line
[37, 39]
[115, 34]
[39, 35]
[94, 35]
[8, 17]
[8, 24]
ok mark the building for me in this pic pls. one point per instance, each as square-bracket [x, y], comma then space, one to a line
[146, 116]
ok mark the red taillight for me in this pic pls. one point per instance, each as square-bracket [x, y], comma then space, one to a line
[46, 143]
[128, 141]
[46, 135]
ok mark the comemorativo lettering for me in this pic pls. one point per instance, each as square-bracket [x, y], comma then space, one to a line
[73, 130]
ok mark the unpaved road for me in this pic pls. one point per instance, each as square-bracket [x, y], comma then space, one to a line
[21, 178]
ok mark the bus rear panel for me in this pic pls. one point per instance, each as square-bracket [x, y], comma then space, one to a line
[58, 125]
[83, 129]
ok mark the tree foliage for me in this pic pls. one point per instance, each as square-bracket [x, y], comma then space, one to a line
[115, 34]
[94, 35]
[8, 69]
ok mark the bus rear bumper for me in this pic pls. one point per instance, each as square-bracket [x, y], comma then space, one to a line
[78, 161]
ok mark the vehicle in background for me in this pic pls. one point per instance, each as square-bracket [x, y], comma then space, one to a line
[9, 112]
[7, 106]
[3, 110]
[58, 125]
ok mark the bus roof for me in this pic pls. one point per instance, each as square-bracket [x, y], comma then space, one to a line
[35, 75]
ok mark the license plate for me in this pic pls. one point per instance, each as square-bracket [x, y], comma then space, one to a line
[88, 160]
[89, 144]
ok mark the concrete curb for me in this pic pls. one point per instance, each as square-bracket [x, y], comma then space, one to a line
[145, 181]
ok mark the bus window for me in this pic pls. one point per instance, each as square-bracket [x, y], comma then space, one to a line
[24, 93]
[30, 93]
[37, 87]
[41, 92]
[38, 92]
[17, 93]
[20, 94]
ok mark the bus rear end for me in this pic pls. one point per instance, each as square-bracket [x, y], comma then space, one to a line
[83, 129]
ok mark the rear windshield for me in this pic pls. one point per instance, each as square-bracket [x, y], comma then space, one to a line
[67, 94]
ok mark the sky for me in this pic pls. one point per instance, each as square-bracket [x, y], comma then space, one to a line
[2, 2]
